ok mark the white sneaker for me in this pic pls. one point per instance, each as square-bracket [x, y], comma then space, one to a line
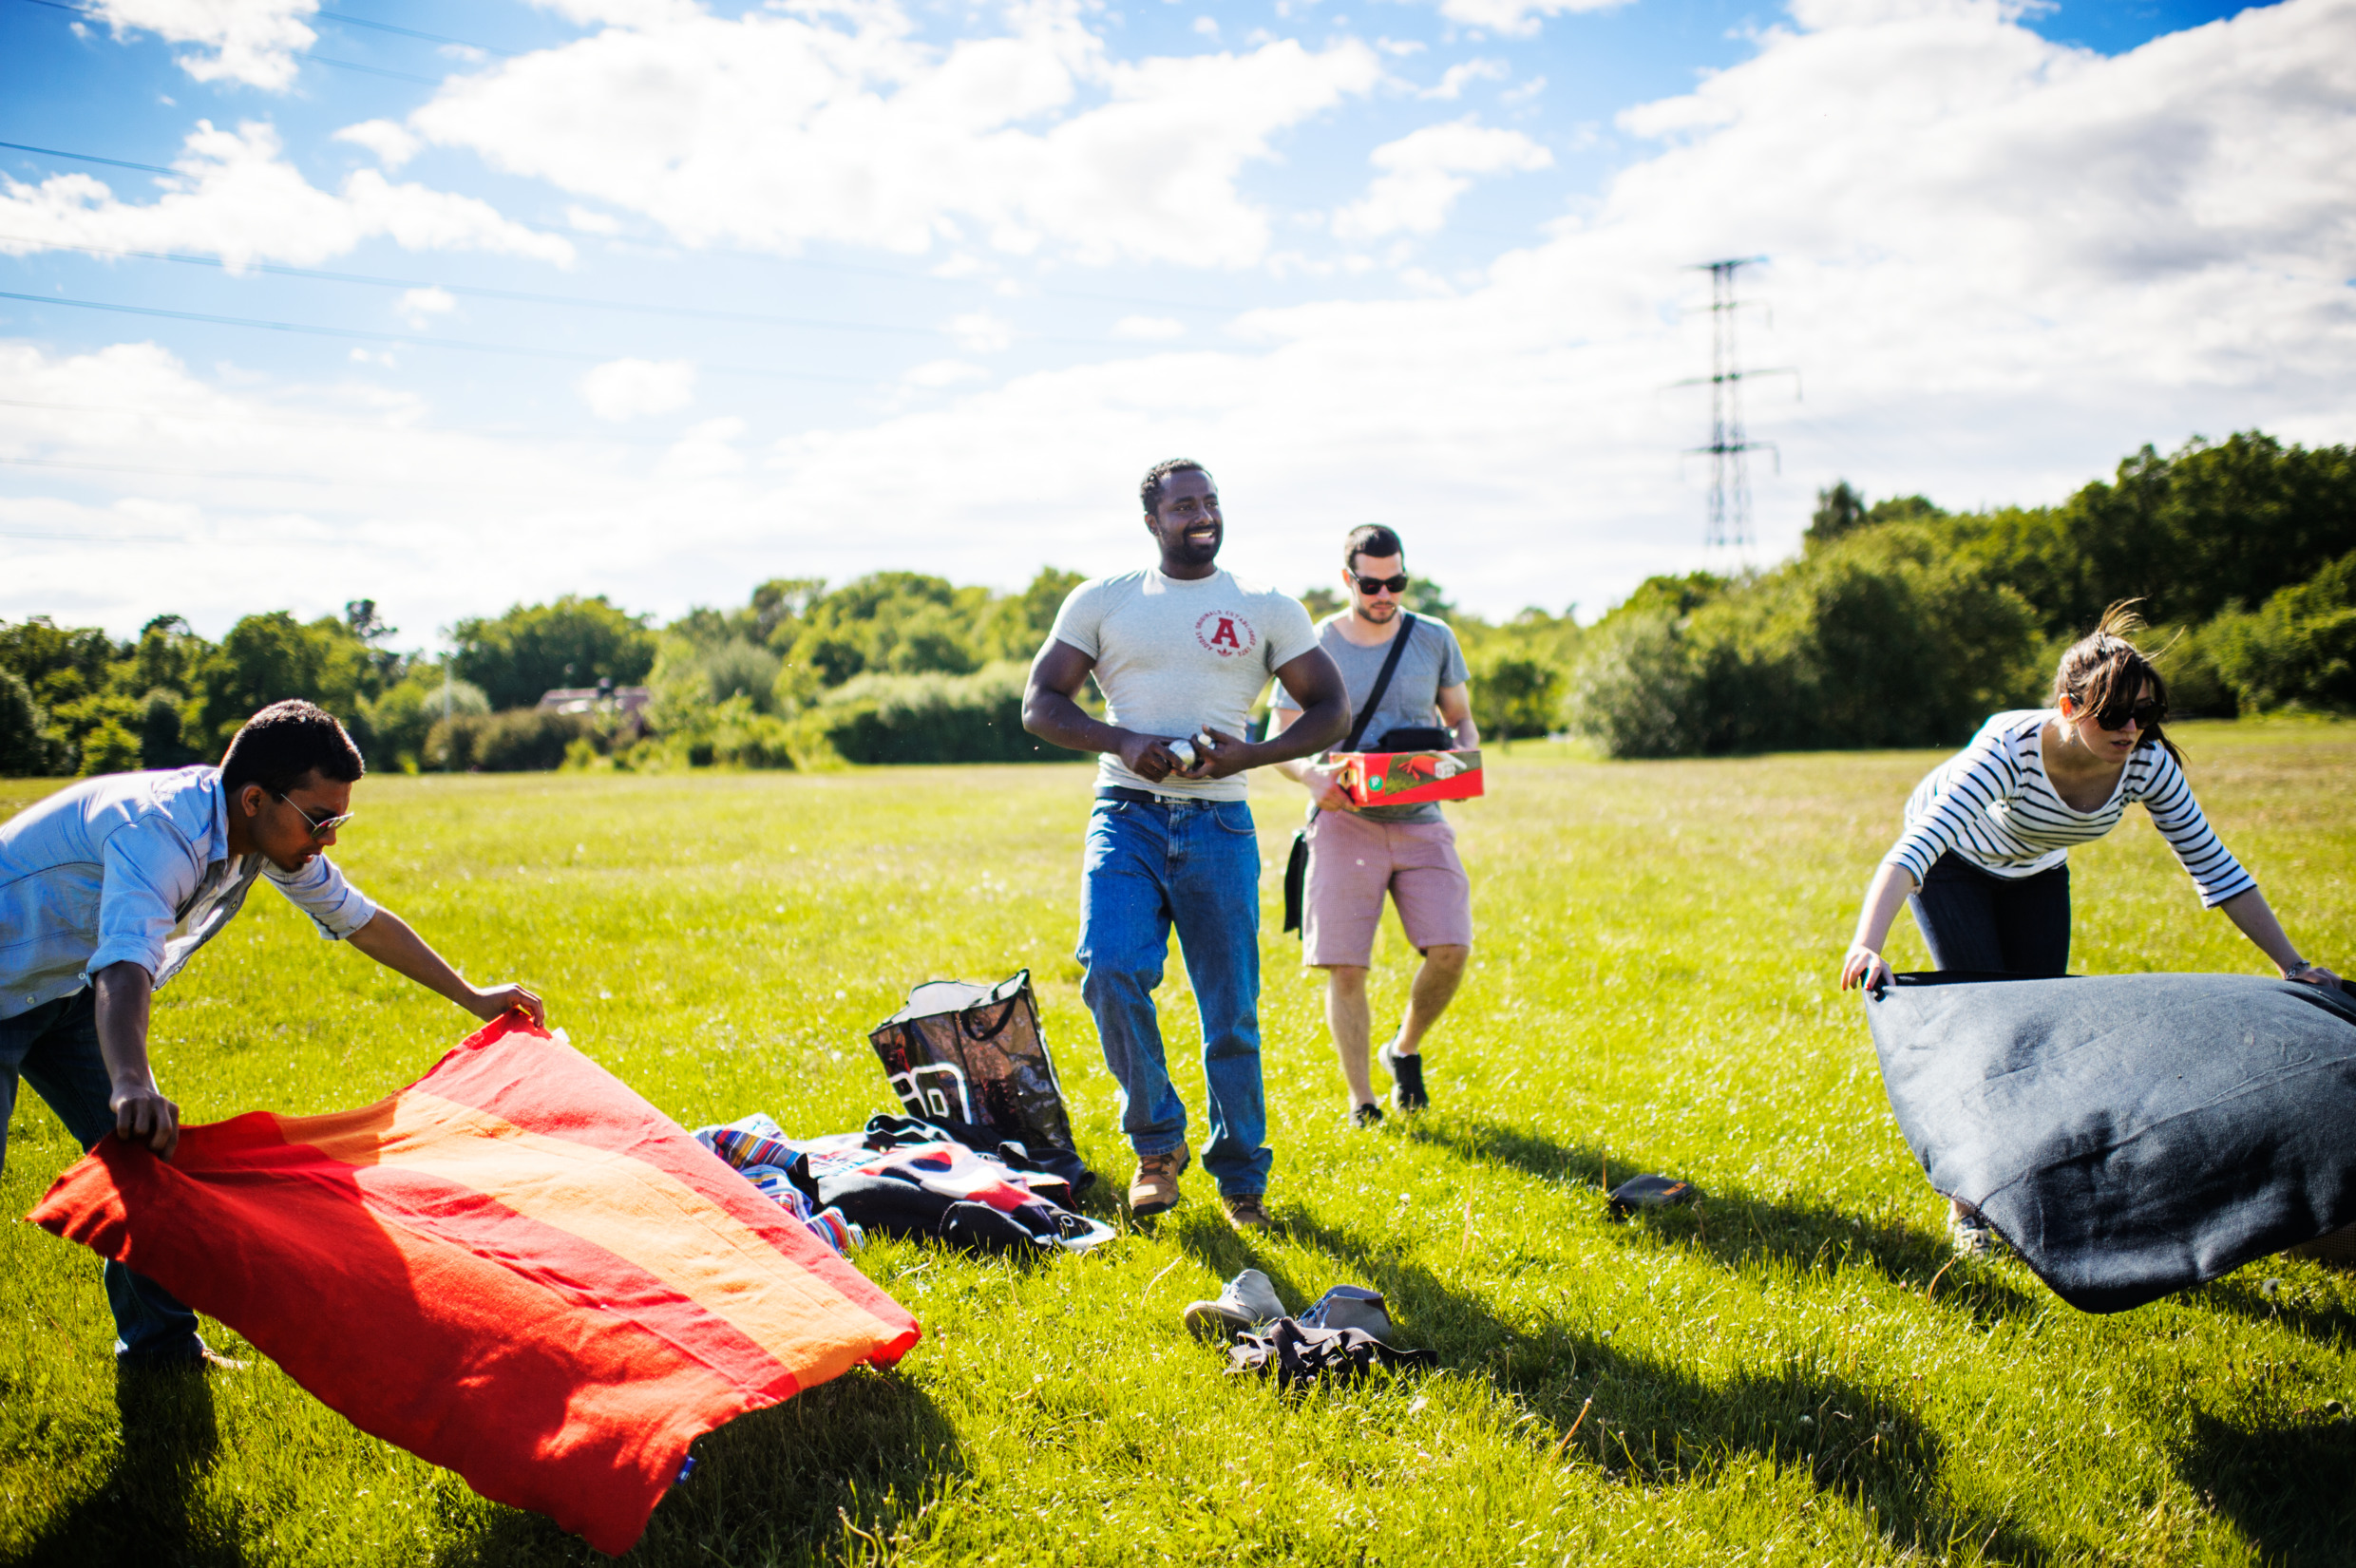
[1971, 1235]
[1248, 1301]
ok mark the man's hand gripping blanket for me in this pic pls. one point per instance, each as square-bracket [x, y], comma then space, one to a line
[515, 1268]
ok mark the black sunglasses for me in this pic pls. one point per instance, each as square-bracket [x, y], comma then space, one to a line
[1371, 586]
[2145, 715]
[320, 826]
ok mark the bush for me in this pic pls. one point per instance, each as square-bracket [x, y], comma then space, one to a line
[930, 718]
[2298, 649]
[1878, 638]
[110, 748]
[401, 720]
[26, 748]
[525, 740]
[163, 730]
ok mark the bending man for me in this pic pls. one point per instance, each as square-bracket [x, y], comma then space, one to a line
[94, 879]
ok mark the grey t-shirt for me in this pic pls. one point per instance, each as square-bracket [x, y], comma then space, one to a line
[1174, 655]
[1432, 660]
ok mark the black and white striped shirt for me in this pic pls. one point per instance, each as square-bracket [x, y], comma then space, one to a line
[1992, 804]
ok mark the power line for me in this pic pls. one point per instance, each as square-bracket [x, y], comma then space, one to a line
[373, 70]
[274, 421]
[89, 158]
[405, 340]
[344, 17]
[514, 296]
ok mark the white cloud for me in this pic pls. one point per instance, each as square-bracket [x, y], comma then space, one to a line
[776, 129]
[1517, 18]
[2001, 263]
[250, 41]
[1453, 81]
[392, 142]
[589, 220]
[236, 199]
[936, 374]
[1148, 328]
[1425, 171]
[981, 332]
[420, 306]
[631, 388]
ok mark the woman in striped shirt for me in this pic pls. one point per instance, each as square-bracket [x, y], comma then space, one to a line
[1984, 862]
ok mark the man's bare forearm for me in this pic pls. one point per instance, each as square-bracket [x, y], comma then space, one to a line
[126, 994]
[1058, 719]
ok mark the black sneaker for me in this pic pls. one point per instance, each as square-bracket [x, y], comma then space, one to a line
[1366, 1115]
[1406, 1079]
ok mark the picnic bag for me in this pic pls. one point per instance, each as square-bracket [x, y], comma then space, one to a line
[972, 1058]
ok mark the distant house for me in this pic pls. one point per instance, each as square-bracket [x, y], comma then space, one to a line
[626, 701]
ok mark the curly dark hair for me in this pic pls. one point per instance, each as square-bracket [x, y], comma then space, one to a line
[1149, 488]
[2103, 673]
[277, 745]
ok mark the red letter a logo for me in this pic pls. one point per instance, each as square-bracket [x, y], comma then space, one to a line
[1225, 635]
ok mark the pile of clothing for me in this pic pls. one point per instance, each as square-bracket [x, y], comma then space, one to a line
[1342, 1334]
[905, 1176]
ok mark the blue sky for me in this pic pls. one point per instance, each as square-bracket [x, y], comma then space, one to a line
[670, 298]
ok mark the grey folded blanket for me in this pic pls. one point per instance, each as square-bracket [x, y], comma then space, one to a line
[2134, 1134]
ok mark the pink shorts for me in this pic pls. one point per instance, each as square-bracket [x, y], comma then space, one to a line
[1354, 862]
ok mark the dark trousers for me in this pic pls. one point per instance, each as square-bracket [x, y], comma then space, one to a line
[1971, 920]
[54, 1046]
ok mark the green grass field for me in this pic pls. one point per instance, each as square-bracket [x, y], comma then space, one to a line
[1769, 1379]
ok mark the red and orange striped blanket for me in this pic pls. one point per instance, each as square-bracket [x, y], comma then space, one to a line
[515, 1268]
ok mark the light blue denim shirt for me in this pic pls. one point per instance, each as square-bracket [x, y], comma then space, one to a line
[109, 869]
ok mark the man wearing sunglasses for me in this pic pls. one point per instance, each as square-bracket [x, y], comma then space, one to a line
[95, 879]
[1358, 853]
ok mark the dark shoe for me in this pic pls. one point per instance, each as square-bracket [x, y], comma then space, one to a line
[1367, 1115]
[1247, 1211]
[1155, 1190]
[1406, 1079]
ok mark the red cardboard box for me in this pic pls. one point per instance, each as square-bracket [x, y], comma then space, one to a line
[1409, 778]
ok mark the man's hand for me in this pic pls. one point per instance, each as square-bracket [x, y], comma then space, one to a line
[1219, 754]
[1324, 787]
[1148, 757]
[143, 1115]
[492, 1002]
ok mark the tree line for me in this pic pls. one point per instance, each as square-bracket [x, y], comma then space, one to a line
[1897, 624]
[893, 666]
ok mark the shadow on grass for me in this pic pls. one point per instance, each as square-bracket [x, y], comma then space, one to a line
[1738, 1229]
[2287, 1488]
[1647, 1421]
[148, 1508]
[2243, 1293]
[843, 1473]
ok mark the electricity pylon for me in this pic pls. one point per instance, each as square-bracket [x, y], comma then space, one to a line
[1729, 476]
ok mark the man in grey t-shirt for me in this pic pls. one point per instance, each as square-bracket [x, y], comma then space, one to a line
[1356, 854]
[1180, 651]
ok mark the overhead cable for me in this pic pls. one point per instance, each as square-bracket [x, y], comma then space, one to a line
[408, 340]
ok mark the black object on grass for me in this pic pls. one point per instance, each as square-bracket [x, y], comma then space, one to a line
[1652, 1192]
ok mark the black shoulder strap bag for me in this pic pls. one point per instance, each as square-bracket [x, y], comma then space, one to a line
[1297, 863]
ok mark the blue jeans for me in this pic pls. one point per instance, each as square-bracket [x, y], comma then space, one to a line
[1195, 865]
[54, 1046]
[1972, 920]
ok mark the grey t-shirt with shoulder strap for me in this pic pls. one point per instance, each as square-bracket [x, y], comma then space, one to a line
[1432, 660]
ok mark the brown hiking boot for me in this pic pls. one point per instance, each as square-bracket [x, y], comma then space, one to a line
[1247, 1211]
[1155, 1189]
